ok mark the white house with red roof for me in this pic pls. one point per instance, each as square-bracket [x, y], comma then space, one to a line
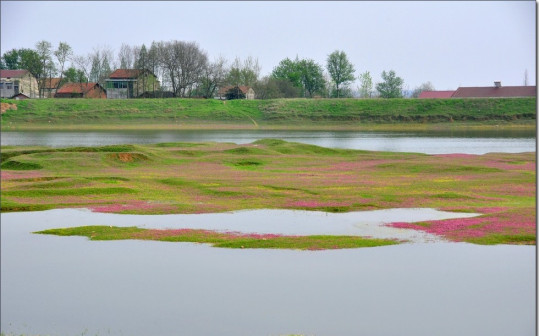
[14, 82]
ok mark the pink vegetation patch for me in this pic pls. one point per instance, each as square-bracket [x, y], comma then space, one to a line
[461, 229]
[456, 156]
[315, 204]
[132, 206]
[12, 175]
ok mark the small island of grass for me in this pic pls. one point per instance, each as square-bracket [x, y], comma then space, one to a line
[222, 239]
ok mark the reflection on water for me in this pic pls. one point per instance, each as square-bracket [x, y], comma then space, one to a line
[470, 142]
[70, 286]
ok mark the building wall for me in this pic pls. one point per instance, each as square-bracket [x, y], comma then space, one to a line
[26, 84]
[135, 87]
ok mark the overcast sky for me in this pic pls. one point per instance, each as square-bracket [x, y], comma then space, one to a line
[449, 43]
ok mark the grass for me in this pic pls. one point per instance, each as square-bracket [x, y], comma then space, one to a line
[274, 174]
[224, 240]
[275, 113]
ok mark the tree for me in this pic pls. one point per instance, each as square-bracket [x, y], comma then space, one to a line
[340, 69]
[305, 74]
[142, 64]
[83, 64]
[365, 89]
[29, 60]
[244, 73]
[11, 59]
[271, 88]
[213, 76]
[47, 68]
[62, 54]
[288, 70]
[234, 93]
[312, 76]
[391, 87]
[183, 64]
[74, 76]
[125, 56]
[153, 63]
[427, 86]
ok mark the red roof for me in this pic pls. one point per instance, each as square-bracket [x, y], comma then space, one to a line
[435, 94]
[13, 73]
[76, 87]
[125, 74]
[492, 91]
[51, 83]
[224, 90]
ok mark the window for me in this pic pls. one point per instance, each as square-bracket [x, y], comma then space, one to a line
[117, 85]
[1, 86]
[9, 86]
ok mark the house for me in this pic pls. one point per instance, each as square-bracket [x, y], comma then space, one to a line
[435, 94]
[130, 83]
[81, 90]
[13, 82]
[495, 91]
[50, 86]
[20, 96]
[246, 90]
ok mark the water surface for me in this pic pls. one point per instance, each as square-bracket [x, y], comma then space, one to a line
[440, 142]
[71, 286]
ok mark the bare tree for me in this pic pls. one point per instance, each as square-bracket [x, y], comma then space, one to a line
[183, 64]
[244, 73]
[47, 68]
[125, 56]
[83, 64]
[365, 90]
[213, 76]
[427, 86]
[100, 64]
[63, 53]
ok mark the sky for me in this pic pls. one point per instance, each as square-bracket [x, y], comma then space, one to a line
[449, 43]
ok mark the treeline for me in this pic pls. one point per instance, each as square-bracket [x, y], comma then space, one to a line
[185, 70]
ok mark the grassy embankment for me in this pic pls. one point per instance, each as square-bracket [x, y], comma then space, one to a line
[270, 114]
[217, 177]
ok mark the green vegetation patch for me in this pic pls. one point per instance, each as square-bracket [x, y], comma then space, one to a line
[68, 192]
[7, 205]
[219, 239]
[248, 151]
[219, 177]
[494, 239]
[17, 165]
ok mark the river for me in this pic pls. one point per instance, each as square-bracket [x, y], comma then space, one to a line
[440, 142]
[72, 286]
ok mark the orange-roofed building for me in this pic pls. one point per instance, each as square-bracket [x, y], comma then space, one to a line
[81, 90]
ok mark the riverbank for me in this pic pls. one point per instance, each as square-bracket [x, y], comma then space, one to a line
[274, 174]
[308, 114]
